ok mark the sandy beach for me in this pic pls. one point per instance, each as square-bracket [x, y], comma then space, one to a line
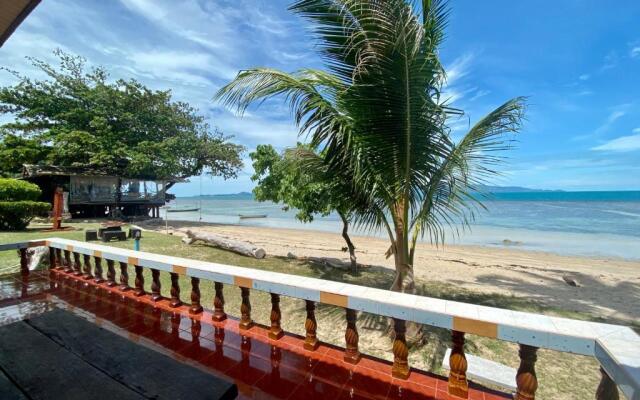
[608, 288]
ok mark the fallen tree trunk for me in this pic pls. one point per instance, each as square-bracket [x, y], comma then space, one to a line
[243, 248]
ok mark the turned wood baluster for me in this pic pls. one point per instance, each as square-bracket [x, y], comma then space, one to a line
[77, 265]
[98, 269]
[139, 281]
[196, 307]
[52, 258]
[59, 260]
[87, 267]
[351, 337]
[400, 350]
[607, 389]
[218, 303]
[111, 273]
[175, 290]
[24, 262]
[310, 341]
[67, 261]
[275, 332]
[458, 385]
[155, 285]
[526, 378]
[245, 309]
[124, 277]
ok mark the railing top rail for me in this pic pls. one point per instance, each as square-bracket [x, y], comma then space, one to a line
[616, 347]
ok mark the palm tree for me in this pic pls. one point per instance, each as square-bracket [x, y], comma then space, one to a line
[379, 116]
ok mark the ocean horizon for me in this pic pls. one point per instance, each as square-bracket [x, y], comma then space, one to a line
[588, 223]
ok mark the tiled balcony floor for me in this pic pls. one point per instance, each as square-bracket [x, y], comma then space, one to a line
[262, 368]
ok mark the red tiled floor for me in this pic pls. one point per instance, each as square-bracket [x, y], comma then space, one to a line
[262, 368]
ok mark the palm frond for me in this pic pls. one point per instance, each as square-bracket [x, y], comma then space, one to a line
[454, 193]
[310, 94]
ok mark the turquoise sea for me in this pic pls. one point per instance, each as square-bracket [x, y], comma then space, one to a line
[602, 224]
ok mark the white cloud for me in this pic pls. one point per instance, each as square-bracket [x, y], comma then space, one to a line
[458, 68]
[636, 130]
[621, 144]
[617, 112]
[635, 52]
[584, 77]
[188, 67]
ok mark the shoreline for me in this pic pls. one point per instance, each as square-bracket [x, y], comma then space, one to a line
[597, 245]
[607, 286]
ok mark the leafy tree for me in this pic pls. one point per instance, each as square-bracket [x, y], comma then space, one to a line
[78, 117]
[379, 117]
[289, 179]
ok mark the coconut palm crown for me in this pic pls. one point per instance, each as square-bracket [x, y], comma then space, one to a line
[379, 116]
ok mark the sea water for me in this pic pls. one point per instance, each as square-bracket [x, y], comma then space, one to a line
[600, 224]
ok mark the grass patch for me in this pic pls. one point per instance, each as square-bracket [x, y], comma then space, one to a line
[561, 375]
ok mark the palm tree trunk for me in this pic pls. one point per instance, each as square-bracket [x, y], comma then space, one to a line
[404, 280]
[350, 246]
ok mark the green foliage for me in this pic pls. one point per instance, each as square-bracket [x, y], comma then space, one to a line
[18, 205]
[16, 215]
[380, 120]
[281, 178]
[80, 118]
[17, 190]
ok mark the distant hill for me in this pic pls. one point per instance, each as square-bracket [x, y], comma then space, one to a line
[230, 196]
[513, 189]
[489, 189]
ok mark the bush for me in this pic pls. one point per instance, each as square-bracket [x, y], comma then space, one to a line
[16, 215]
[17, 190]
[18, 205]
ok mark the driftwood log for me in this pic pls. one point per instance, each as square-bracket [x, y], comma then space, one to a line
[243, 248]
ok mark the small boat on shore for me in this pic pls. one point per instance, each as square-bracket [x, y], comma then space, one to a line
[174, 210]
[247, 216]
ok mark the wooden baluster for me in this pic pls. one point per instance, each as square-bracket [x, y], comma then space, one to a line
[98, 269]
[24, 262]
[607, 389]
[59, 260]
[77, 265]
[111, 273]
[526, 378]
[139, 281]
[400, 368]
[245, 309]
[218, 303]
[175, 290]
[196, 307]
[52, 258]
[458, 385]
[275, 332]
[310, 341]
[351, 337]
[67, 261]
[87, 267]
[155, 285]
[124, 277]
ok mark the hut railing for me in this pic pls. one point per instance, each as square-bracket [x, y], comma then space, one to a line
[617, 348]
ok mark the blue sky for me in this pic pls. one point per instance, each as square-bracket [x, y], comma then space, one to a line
[577, 60]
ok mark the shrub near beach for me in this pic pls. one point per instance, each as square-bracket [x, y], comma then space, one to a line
[18, 204]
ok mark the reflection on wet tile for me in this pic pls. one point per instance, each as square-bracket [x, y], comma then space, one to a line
[262, 368]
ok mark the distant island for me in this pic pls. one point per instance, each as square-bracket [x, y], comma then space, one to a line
[489, 189]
